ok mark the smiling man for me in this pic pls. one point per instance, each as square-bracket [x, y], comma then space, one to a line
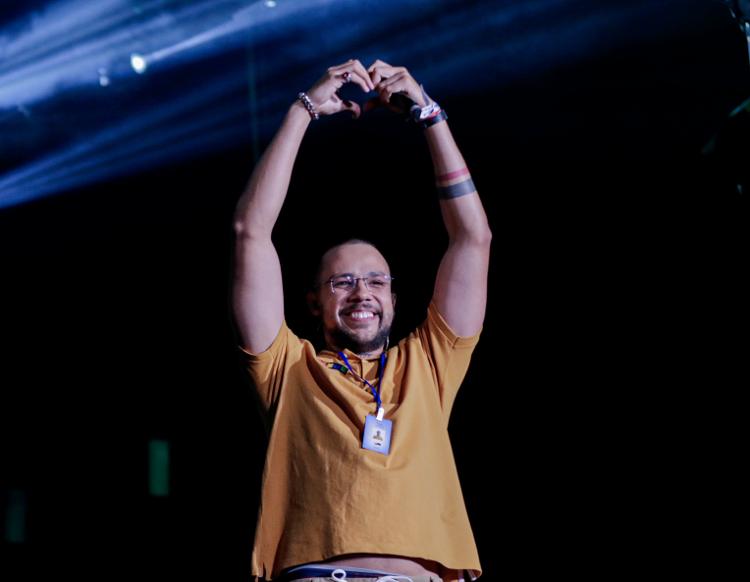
[356, 311]
[359, 481]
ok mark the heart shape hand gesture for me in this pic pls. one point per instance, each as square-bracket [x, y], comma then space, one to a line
[387, 80]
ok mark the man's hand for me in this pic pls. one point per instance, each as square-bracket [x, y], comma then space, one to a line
[388, 81]
[324, 93]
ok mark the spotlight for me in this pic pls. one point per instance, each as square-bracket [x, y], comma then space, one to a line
[138, 63]
[271, 3]
[103, 77]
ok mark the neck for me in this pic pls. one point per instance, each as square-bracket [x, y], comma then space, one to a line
[332, 343]
[361, 355]
[369, 355]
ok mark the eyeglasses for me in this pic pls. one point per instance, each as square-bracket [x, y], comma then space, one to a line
[347, 283]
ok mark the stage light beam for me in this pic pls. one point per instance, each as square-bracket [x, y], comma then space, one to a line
[184, 126]
[139, 63]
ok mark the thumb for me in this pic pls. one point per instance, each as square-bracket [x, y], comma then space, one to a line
[352, 108]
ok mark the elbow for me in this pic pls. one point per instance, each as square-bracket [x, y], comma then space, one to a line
[484, 236]
[479, 236]
[245, 231]
[241, 229]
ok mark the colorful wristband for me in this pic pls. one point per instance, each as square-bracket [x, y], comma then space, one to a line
[437, 118]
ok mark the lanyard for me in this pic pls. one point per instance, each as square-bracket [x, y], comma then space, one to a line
[381, 370]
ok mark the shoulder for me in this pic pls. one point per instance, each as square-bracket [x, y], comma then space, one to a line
[435, 328]
[286, 343]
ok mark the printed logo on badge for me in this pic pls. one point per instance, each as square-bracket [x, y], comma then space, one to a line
[377, 435]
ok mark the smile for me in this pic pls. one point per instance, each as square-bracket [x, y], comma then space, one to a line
[361, 315]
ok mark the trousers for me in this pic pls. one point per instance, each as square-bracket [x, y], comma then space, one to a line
[384, 578]
[338, 574]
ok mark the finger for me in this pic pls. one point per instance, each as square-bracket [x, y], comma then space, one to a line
[352, 66]
[362, 73]
[338, 105]
[357, 75]
[363, 81]
[386, 89]
[399, 79]
[342, 66]
[386, 71]
[404, 83]
[377, 63]
[375, 77]
[352, 108]
[377, 71]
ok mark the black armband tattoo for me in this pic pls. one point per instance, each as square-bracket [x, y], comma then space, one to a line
[456, 190]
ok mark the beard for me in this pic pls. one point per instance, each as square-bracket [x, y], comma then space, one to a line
[345, 339]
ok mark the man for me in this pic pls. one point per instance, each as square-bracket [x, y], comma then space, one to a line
[359, 476]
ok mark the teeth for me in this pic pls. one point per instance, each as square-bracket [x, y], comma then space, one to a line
[362, 315]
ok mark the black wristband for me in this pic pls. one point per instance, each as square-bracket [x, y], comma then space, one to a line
[430, 121]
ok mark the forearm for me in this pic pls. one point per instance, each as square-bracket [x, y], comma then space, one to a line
[259, 207]
[446, 157]
[461, 284]
[258, 294]
[463, 213]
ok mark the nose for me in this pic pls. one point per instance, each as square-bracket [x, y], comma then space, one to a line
[360, 288]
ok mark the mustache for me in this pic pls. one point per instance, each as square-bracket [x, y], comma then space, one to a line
[364, 307]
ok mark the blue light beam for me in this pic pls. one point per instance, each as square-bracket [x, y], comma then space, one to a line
[452, 47]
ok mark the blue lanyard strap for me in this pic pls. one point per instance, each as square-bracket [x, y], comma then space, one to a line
[381, 370]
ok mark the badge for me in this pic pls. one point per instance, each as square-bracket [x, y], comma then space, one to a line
[377, 435]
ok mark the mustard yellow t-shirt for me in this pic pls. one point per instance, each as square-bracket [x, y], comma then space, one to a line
[324, 495]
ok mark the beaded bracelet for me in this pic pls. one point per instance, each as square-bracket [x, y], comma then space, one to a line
[302, 96]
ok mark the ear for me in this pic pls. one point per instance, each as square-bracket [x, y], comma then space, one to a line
[393, 298]
[313, 303]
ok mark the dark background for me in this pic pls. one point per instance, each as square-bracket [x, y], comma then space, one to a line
[615, 248]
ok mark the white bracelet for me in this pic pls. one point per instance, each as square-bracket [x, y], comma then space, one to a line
[421, 113]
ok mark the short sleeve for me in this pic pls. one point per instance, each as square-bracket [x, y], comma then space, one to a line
[449, 355]
[268, 369]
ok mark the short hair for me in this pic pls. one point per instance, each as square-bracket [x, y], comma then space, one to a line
[351, 241]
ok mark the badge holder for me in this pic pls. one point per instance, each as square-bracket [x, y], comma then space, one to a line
[377, 436]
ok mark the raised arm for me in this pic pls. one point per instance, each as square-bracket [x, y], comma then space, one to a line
[257, 295]
[461, 285]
